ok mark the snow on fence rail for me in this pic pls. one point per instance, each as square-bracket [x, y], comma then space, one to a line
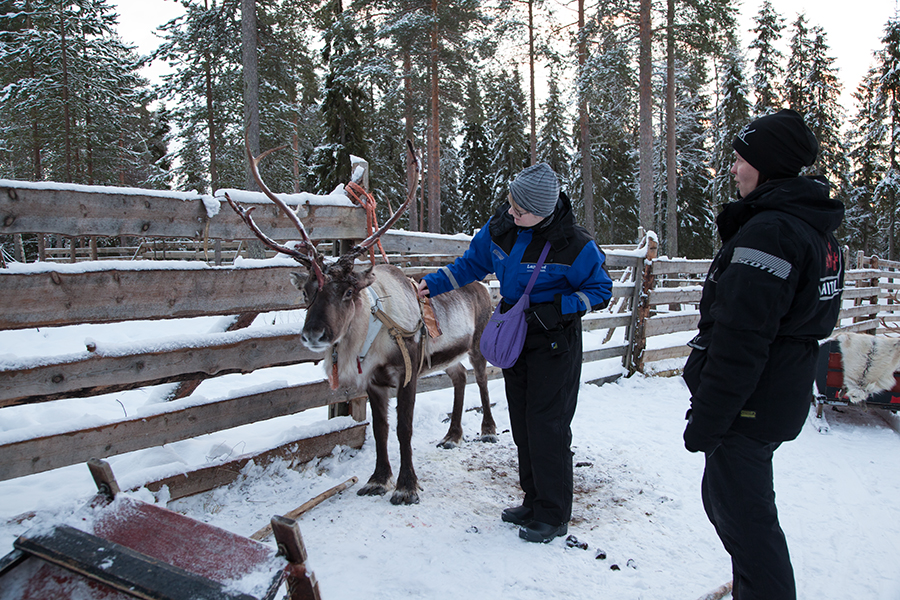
[652, 298]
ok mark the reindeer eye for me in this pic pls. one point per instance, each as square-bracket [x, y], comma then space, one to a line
[348, 295]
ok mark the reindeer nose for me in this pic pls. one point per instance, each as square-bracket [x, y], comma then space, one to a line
[314, 339]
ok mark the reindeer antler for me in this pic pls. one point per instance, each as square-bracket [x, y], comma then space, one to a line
[308, 257]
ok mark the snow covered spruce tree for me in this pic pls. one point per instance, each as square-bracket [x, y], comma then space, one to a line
[865, 142]
[887, 192]
[507, 122]
[74, 108]
[553, 147]
[696, 217]
[797, 74]
[475, 162]
[610, 89]
[731, 113]
[345, 98]
[767, 69]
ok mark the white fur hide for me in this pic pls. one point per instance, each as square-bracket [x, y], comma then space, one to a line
[869, 364]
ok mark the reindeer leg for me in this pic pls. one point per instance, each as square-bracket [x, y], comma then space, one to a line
[488, 427]
[381, 480]
[407, 482]
[457, 374]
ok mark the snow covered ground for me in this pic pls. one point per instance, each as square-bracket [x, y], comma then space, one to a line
[637, 498]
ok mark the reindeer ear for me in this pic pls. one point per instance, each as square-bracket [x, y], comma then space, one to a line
[364, 277]
[299, 279]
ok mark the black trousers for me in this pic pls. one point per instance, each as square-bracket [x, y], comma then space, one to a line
[739, 498]
[542, 391]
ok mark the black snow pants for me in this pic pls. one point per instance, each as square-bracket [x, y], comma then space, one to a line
[739, 498]
[542, 390]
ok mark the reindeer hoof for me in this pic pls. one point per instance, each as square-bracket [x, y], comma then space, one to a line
[448, 444]
[490, 438]
[404, 497]
[372, 489]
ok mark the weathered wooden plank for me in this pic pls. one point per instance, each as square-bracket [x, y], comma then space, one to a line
[662, 324]
[91, 374]
[144, 213]
[675, 266]
[852, 293]
[619, 261]
[40, 454]
[664, 353]
[603, 353]
[297, 452]
[58, 297]
[864, 310]
[605, 321]
[406, 242]
[868, 325]
[675, 296]
[863, 274]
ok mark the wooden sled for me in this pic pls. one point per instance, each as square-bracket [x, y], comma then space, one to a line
[119, 548]
[830, 383]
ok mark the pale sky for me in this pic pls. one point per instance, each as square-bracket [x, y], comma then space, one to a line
[853, 29]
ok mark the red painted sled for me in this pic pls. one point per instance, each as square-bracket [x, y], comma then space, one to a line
[119, 548]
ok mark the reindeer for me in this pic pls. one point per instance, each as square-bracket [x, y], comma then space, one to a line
[341, 298]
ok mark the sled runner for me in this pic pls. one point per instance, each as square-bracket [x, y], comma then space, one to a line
[119, 548]
[832, 389]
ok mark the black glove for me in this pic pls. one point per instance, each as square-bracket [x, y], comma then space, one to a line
[695, 439]
[547, 315]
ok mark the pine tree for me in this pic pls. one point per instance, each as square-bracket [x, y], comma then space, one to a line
[887, 192]
[611, 91]
[553, 147]
[824, 114]
[731, 113]
[696, 219]
[475, 162]
[507, 121]
[797, 74]
[867, 152]
[73, 102]
[767, 72]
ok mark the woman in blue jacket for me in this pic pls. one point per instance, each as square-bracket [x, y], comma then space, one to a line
[542, 386]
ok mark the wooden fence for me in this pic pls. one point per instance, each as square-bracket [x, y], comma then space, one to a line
[652, 298]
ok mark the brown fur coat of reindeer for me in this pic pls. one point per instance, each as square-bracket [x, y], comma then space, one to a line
[340, 300]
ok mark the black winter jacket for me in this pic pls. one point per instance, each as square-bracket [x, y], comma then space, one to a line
[773, 291]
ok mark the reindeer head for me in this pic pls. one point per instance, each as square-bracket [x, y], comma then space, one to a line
[332, 297]
[331, 307]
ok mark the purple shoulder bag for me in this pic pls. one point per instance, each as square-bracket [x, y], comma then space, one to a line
[504, 335]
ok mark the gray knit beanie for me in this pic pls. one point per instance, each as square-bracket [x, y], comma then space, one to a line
[536, 189]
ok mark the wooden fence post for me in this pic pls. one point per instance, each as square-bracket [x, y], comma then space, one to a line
[641, 309]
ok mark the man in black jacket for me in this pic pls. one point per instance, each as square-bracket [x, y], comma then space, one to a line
[772, 292]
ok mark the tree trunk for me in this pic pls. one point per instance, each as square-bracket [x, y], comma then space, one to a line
[533, 140]
[210, 120]
[434, 142]
[646, 216]
[671, 156]
[67, 122]
[411, 177]
[37, 171]
[255, 248]
[587, 176]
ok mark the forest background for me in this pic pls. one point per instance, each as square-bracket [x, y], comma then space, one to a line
[640, 98]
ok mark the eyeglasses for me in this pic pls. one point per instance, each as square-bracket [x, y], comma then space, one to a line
[518, 212]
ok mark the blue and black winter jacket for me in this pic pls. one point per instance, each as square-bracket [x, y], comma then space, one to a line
[573, 274]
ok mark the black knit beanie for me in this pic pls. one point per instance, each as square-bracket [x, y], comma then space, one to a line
[777, 145]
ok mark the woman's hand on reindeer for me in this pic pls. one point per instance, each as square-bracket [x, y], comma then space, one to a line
[422, 290]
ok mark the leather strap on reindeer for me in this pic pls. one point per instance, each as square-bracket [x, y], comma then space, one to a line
[396, 331]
